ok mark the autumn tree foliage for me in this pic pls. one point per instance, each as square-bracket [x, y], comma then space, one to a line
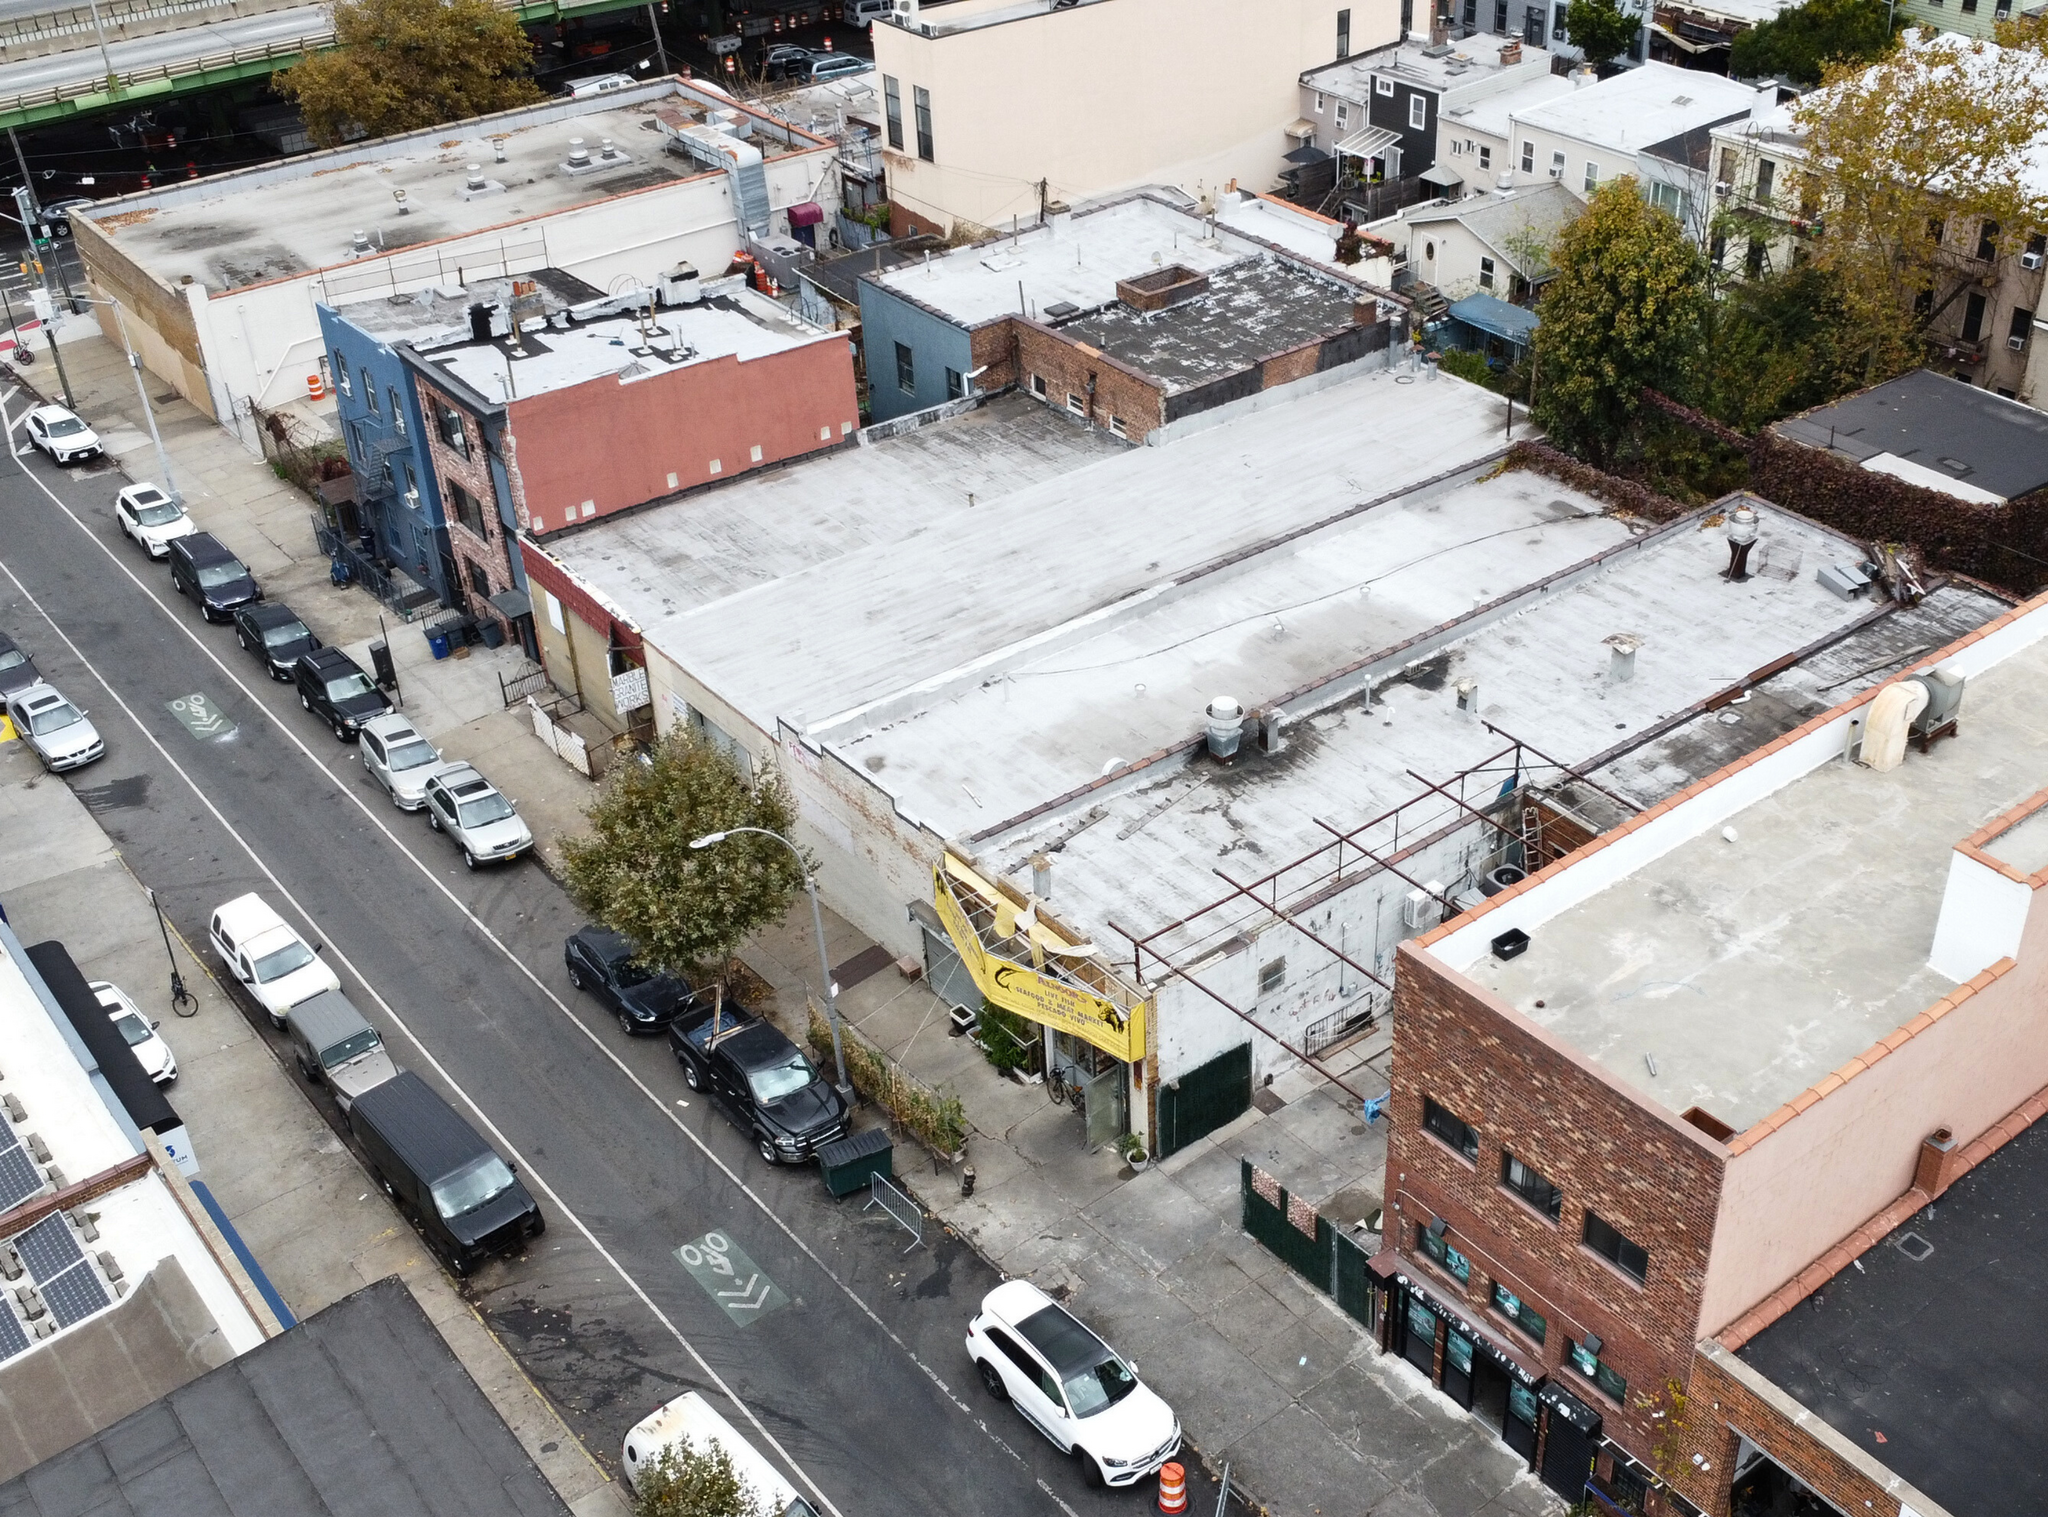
[686, 1481]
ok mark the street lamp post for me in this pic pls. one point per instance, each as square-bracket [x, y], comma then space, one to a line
[163, 459]
[181, 998]
[818, 929]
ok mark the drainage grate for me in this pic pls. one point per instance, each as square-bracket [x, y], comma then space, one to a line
[1914, 1247]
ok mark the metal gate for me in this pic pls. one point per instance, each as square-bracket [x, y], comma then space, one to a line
[1103, 1106]
[1354, 1290]
[1204, 1098]
[1300, 1236]
[1571, 1439]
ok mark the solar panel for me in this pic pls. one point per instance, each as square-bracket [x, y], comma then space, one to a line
[12, 1339]
[19, 1179]
[74, 1295]
[48, 1249]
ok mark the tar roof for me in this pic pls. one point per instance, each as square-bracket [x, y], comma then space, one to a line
[424, 314]
[1640, 106]
[1958, 430]
[1934, 1343]
[361, 1407]
[840, 277]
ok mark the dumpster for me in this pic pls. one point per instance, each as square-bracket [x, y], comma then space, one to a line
[847, 1164]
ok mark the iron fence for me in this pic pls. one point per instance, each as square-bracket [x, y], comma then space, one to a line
[406, 597]
[1287, 1226]
[520, 686]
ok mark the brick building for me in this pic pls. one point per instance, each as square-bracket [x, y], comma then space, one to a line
[1649, 1100]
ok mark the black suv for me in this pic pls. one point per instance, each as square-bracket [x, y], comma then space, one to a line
[273, 632]
[760, 1080]
[334, 688]
[602, 963]
[206, 571]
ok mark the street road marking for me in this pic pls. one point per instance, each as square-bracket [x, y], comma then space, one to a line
[202, 718]
[741, 1288]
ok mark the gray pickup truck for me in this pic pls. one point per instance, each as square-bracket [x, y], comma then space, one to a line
[334, 1042]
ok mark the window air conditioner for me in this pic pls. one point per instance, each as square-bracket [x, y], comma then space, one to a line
[412, 499]
[2015, 343]
[1557, 173]
[2030, 260]
[1723, 190]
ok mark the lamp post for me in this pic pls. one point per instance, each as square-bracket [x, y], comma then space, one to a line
[163, 459]
[1741, 538]
[818, 928]
[180, 996]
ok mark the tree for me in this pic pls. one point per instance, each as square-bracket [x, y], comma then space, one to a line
[1777, 344]
[1798, 44]
[683, 1482]
[1623, 312]
[1601, 29]
[399, 65]
[637, 874]
[1937, 138]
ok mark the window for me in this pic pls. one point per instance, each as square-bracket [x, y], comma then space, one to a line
[1969, 7]
[1592, 176]
[1485, 156]
[906, 370]
[1319, 102]
[1518, 1311]
[468, 509]
[1076, 404]
[1457, 147]
[370, 393]
[955, 385]
[1343, 34]
[1382, 86]
[1343, 115]
[1557, 164]
[397, 411]
[1429, 252]
[1485, 273]
[1754, 263]
[449, 420]
[1528, 157]
[1590, 1365]
[1615, 1249]
[1937, 231]
[1436, 1245]
[1471, 15]
[1500, 16]
[921, 100]
[1531, 1187]
[1973, 317]
[892, 107]
[1418, 112]
[1635, 46]
[1272, 976]
[1557, 27]
[2016, 334]
[341, 375]
[1451, 1129]
[1038, 385]
[479, 581]
[1116, 426]
[1987, 242]
[1532, 25]
[1766, 177]
[1668, 198]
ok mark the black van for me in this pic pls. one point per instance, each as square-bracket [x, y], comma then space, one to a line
[463, 1198]
[203, 569]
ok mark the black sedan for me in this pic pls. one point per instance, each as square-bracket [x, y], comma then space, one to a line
[602, 963]
[273, 632]
[17, 670]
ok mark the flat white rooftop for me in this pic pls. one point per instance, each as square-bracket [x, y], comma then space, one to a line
[1638, 106]
[1471, 62]
[1750, 969]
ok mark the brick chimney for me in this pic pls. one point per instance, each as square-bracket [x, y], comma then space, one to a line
[1510, 53]
[1364, 311]
[1937, 1163]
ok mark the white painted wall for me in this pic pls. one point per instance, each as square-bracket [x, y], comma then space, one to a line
[1983, 914]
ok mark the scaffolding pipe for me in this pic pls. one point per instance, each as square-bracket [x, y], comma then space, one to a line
[1620, 800]
[1399, 874]
[1305, 932]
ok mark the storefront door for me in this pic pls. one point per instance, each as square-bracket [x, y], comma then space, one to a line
[1420, 1346]
[1518, 1427]
[1458, 1367]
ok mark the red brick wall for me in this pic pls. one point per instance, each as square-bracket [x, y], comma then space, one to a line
[543, 571]
[1067, 367]
[1650, 1176]
[473, 473]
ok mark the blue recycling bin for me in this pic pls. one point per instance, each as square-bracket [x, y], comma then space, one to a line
[437, 644]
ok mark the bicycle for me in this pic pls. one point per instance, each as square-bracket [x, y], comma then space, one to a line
[1065, 1090]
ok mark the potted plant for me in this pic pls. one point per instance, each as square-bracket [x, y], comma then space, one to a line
[1134, 1152]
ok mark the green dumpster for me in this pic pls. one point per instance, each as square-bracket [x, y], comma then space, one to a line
[847, 1164]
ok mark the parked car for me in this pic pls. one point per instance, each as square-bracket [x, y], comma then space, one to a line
[54, 728]
[691, 1419]
[17, 670]
[334, 688]
[399, 759]
[759, 1079]
[203, 569]
[1070, 1385]
[267, 958]
[272, 632]
[785, 60]
[151, 1051]
[58, 213]
[152, 519]
[452, 1185]
[62, 435]
[334, 1042]
[470, 809]
[598, 84]
[834, 66]
[602, 963]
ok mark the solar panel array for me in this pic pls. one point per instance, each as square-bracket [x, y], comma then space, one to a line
[19, 1177]
[61, 1271]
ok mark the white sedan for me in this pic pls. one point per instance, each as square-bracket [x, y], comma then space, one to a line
[151, 1051]
[266, 957]
[152, 518]
[1070, 1385]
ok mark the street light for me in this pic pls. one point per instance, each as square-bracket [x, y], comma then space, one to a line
[818, 927]
[181, 998]
[163, 459]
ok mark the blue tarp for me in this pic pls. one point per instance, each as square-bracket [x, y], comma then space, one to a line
[1488, 313]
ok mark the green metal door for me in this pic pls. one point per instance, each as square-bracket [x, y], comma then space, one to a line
[1204, 1099]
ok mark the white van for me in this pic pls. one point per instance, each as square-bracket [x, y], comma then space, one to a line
[599, 84]
[690, 1416]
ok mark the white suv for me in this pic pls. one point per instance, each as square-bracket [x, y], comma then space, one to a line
[266, 958]
[152, 518]
[1070, 1385]
[470, 809]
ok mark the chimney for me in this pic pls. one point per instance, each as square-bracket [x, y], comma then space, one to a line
[1936, 1168]
[1225, 728]
[1468, 697]
[1059, 216]
[1766, 102]
[1439, 35]
[1621, 663]
[1272, 731]
[1364, 311]
[1511, 53]
[360, 242]
[479, 322]
[1041, 876]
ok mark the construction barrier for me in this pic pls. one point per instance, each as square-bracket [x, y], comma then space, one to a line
[1173, 1488]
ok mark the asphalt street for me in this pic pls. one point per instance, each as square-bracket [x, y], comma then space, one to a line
[856, 1376]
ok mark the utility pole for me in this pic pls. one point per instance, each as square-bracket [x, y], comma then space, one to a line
[660, 49]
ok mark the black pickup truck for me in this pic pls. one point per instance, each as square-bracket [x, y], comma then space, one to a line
[759, 1079]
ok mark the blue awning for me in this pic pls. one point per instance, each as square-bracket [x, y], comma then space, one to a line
[1488, 313]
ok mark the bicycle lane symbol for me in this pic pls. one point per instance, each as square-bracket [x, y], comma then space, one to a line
[202, 718]
[737, 1285]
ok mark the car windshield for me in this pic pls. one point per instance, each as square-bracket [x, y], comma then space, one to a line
[280, 962]
[633, 972]
[156, 513]
[66, 426]
[285, 634]
[213, 576]
[352, 1047]
[133, 1028]
[53, 719]
[479, 813]
[478, 1181]
[1107, 1383]
[780, 1080]
[12, 658]
[411, 755]
[351, 686]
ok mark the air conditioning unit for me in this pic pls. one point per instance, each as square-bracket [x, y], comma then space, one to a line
[2016, 343]
[1419, 908]
[1722, 190]
[1557, 173]
[412, 499]
[2030, 260]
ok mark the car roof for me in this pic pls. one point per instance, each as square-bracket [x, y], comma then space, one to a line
[392, 726]
[39, 697]
[327, 1018]
[425, 1131]
[1057, 1334]
[114, 998]
[199, 546]
[269, 613]
[327, 657]
[245, 913]
[604, 942]
[51, 413]
[462, 779]
[144, 492]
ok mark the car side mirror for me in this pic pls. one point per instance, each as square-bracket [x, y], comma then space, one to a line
[318, 946]
[153, 1026]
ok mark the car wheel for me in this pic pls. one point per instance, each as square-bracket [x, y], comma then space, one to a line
[277, 1021]
[469, 858]
[304, 703]
[626, 1025]
[1091, 1472]
[690, 1076]
[433, 820]
[575, 977]
[766, 1150]
[992, 1380]
[307, 1070]
[242, 638]
[340, 730]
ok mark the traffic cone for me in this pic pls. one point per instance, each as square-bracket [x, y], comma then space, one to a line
[1173, 1488]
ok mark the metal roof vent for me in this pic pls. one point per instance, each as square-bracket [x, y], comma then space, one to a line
[1225, 728]
[1621, 663]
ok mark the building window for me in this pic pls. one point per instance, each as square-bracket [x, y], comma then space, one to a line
[1973, 317]
[1635, 46]
[1667, 197]
[955, 385]
[1987, 242]
[1038, 385]
[906, 370]
[1528, 157]
[1485, 156]
[1754, 263]
[1116, 426]
[1418, 112]
[921, 100]
[1457, 147]
[452, 432]
[1591, 1366]
[1518, 1311]
[1592, 176]
[1485, 273]
[1532, 25]
[1382, 86]
[479, 581]
[341, 375]
[2016, 334]
[1453, 1130]
[1471, 15]
[1319, 102]
[397, 411]
[1557, 27]
[1531, 1187]
[1343, 115]
[1766, 178]
[1272, 976]
[892, 105]
[468, 509]
[1435, 1244]
[1500, 16]
[1343, 34]
[1076, 404]
[1969, 7]
[1616, 1250]
[1429, 252]
[370, 393]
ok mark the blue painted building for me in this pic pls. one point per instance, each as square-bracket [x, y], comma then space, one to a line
[916, 356]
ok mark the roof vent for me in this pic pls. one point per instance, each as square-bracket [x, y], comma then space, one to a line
[579, 155]
[359, 242]
[1225, 728]
[1468, 697]
[1621, 662]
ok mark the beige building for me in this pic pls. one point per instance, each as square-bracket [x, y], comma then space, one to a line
[993, 108]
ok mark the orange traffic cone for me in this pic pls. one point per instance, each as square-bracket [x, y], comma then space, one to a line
[1173, 1488]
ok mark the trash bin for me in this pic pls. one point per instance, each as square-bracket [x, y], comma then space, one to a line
[437, 644]
[847, 1164]
[492, 632]
[380, 661]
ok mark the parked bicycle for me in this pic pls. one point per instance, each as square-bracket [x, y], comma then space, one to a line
[1065, 1089]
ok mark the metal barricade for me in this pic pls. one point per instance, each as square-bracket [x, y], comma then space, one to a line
[908, 1214]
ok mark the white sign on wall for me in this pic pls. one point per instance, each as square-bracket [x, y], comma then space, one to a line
[629, 691]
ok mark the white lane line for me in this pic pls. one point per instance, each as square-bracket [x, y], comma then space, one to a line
[349, 791]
